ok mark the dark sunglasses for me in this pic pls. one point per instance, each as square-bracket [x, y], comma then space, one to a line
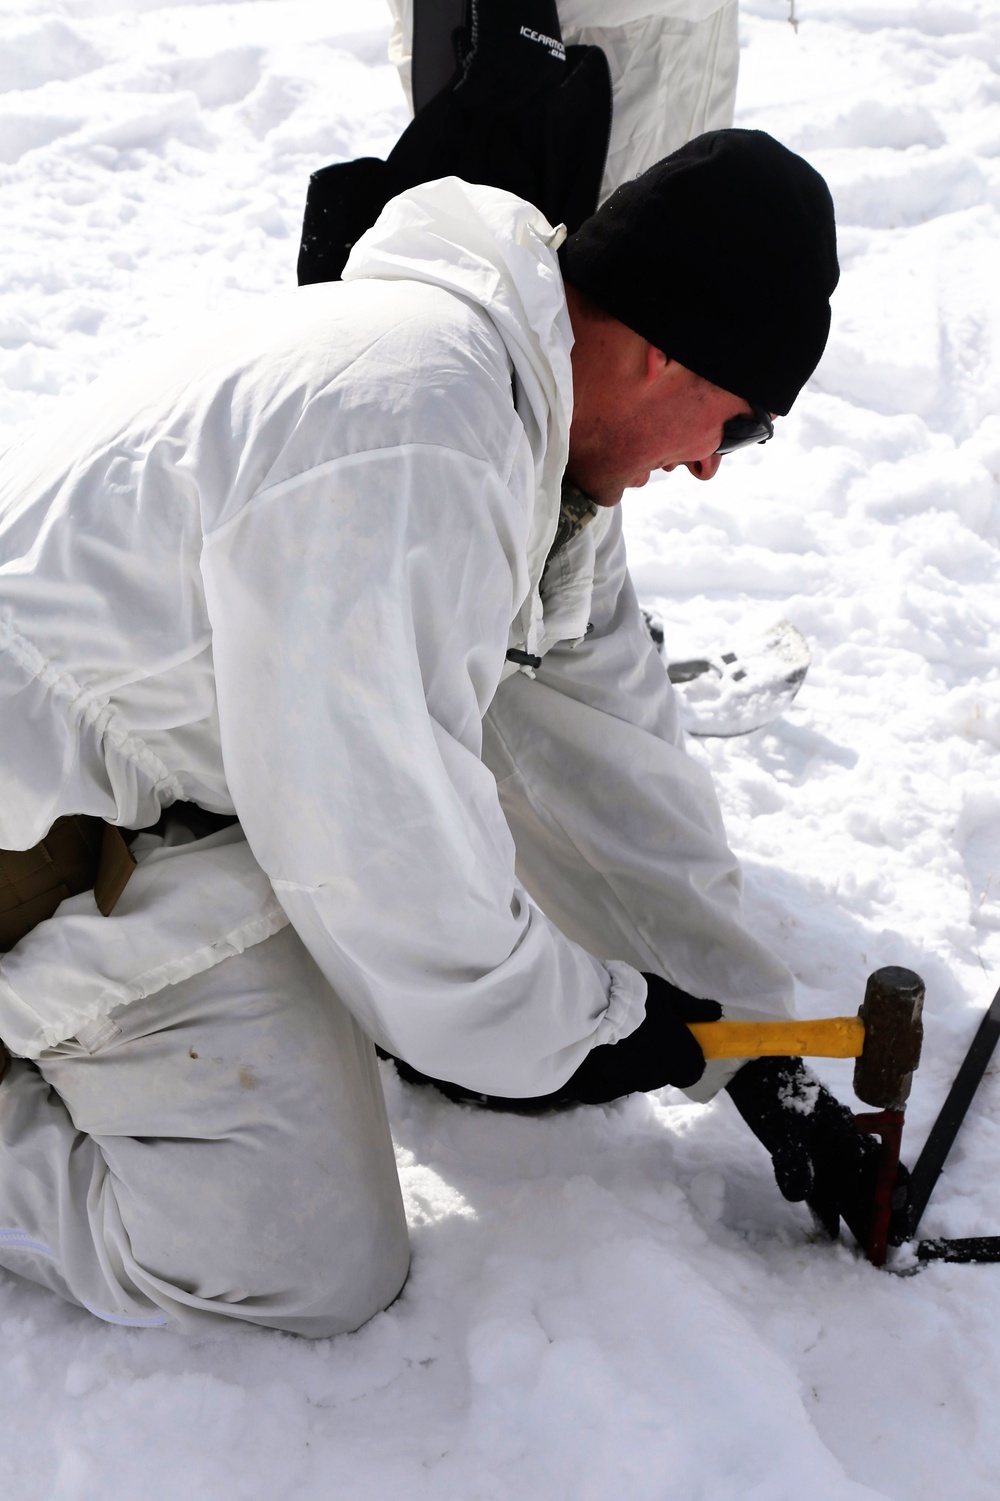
[738, 432]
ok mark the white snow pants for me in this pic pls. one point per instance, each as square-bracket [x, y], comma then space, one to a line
[215, 1150]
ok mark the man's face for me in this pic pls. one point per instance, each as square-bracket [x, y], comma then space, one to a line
[681, 426]
[636, 411]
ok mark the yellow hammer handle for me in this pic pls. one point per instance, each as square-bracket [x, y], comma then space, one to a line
[833, 1037]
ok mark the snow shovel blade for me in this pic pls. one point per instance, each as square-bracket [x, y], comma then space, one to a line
[743, 688]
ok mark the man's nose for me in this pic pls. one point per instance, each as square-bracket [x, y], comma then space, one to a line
[705, 468]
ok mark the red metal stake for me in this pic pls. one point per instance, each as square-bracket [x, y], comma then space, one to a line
[888, 1126]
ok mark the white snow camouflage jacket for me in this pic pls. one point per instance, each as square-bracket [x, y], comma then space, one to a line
[274, 568]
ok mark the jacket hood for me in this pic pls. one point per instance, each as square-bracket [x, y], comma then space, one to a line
[499, 252]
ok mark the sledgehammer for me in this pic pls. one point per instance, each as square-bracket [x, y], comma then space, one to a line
[884, 1037]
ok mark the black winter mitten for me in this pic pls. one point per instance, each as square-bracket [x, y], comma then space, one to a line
[818, 1153]
[660, 1051]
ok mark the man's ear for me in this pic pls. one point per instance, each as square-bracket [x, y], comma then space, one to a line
[656, 364]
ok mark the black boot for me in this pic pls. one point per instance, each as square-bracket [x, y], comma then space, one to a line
[818, 1152]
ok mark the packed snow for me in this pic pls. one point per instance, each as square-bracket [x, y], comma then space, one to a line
[613, 1303]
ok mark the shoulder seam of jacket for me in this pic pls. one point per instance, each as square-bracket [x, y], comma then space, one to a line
[285, 486]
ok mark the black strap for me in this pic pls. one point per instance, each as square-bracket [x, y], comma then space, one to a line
[967, 1248]
[436, 48]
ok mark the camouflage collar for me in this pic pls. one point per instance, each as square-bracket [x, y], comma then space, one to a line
[576, 510]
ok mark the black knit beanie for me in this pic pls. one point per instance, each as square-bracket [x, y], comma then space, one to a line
[723, 256]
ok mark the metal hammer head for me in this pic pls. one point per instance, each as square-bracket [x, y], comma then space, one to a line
[891, 1012]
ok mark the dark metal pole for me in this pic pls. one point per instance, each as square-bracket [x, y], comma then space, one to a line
[931, 1161]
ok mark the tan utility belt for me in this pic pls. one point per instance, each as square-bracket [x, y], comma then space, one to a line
[79, 853]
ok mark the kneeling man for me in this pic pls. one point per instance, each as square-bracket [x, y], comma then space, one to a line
[329, 601]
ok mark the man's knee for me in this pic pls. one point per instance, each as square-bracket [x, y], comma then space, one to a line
[240, 1113]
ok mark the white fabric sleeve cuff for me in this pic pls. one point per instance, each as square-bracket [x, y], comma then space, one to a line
[627, 1005]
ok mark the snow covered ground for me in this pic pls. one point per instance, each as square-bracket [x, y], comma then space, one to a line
[615, 1303]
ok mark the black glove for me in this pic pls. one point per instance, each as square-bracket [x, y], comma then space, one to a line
[818, 1152]
[521, 113]
[508, 55]
[660, 1051]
